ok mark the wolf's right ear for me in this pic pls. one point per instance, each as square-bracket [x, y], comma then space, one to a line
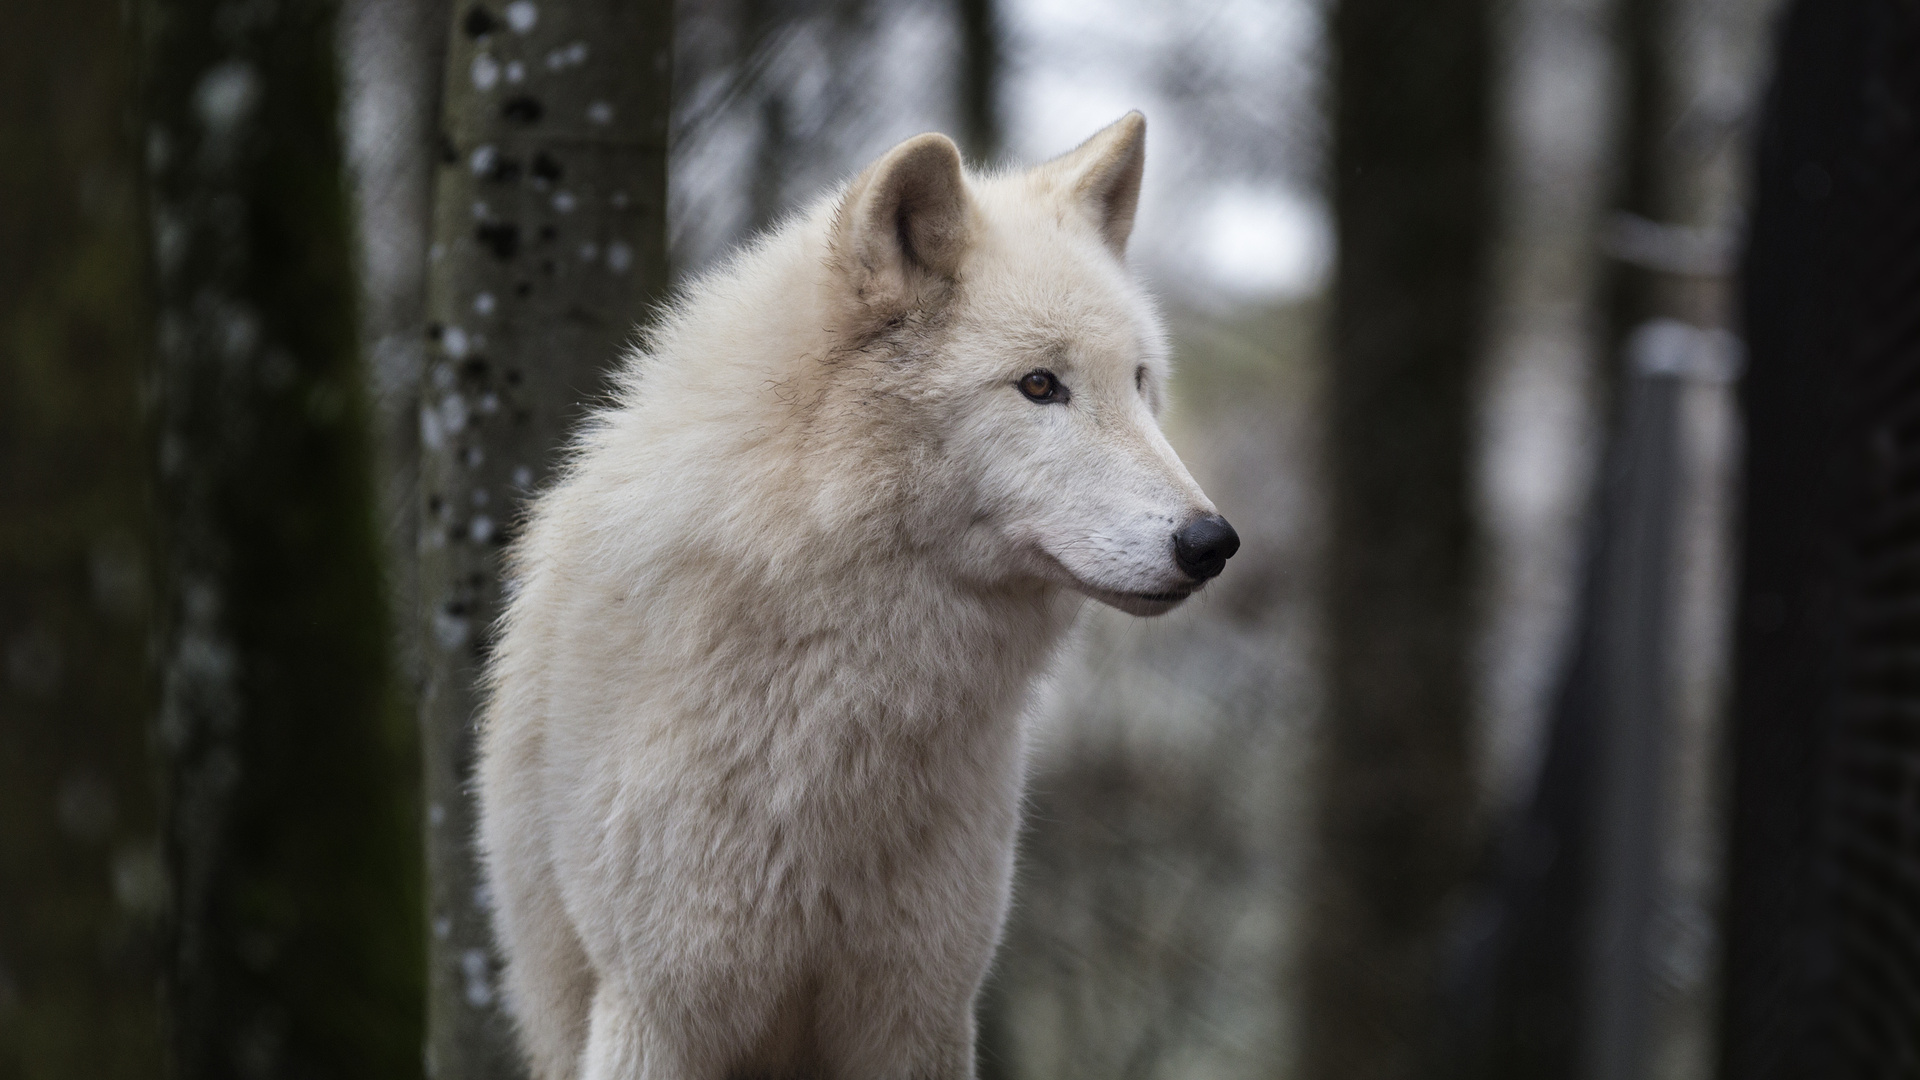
[903, 224]
[1102, 175]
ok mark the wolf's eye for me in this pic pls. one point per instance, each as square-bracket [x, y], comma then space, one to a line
[1042, 386]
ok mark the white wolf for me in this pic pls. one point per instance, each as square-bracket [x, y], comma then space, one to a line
[751, 768]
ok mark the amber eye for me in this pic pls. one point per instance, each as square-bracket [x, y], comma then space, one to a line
[1042, 386]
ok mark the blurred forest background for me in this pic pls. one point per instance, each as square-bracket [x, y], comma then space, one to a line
[1421, 259]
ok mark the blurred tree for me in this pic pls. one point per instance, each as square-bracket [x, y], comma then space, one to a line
[288, 756]
[1627, 615]
[81, 888]
[1411, 192]
[549, 245]
[981, 65]
[391, 58]
[1822, 975]
[1643, 120]
[1565, 981]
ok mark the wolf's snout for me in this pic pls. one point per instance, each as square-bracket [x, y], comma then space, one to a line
[1204, 546]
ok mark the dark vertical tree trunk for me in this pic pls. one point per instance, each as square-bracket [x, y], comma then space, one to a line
[1630, 610]
[1567, 969]
[982, 57]
[549, 246]
[1823, 949]
[289, 761]
[1631, 293]
[81, 887]
[392, 56]
[1411, 192]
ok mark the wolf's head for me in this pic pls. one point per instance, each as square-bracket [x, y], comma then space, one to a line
[1028, 366]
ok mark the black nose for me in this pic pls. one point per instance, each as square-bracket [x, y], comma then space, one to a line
[1204, 546]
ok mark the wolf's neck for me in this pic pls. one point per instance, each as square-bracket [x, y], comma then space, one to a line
[839, 635]
[906, 645]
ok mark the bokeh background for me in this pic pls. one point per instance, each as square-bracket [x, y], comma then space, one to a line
[1434, 782]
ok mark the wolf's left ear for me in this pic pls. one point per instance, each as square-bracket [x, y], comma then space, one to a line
[1103, 176]
[903, 224]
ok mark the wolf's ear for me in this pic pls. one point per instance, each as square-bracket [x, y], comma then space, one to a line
[1103, 176]
[903, 224]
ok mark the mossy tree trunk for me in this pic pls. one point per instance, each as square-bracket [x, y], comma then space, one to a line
[80, 880]
[288, 758]
[1394, 782]
[549, 246]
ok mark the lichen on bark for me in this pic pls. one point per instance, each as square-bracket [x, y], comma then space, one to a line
[549, 248]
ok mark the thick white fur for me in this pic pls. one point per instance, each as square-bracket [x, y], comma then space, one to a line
[752, 762]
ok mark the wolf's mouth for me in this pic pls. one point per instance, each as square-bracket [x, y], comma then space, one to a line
[1143, 602]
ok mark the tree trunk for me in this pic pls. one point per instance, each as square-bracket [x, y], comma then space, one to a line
[81, 888]
[549, 246]
[288, 758]
[1394, 784]
[981, 62]
[1643, 122]
[1822, 947]
[392, 56]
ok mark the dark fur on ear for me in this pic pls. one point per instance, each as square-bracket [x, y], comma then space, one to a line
[903, 225]
[1103, 175]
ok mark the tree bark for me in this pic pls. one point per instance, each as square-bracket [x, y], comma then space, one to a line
[288, 758]
[1394, 782]
[81, 887]
[392, 58]
[549, 246]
